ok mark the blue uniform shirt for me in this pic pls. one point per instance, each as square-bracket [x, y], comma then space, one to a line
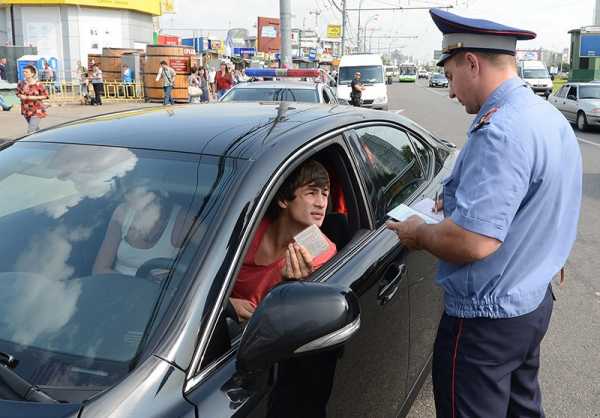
[517, 179]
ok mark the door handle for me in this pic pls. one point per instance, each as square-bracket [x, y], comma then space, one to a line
[390, 283]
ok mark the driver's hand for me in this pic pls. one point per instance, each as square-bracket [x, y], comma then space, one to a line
[298, 263]
[243, 308]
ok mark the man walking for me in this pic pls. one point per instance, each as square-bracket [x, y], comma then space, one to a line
[168, 77]
[511, 209]
[357, 89]
[98, 84]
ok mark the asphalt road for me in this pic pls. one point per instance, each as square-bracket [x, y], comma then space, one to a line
[570, 370]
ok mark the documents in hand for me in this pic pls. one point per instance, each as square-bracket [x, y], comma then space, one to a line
[422, 208]
[313, 240]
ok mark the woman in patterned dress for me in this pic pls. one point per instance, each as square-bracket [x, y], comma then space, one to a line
[32, 92]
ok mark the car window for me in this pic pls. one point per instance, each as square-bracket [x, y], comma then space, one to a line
[271, 95]
[59, 305]
[392, 164]
[423, 153]
[589, 92]
[572, 91]
[562, 92]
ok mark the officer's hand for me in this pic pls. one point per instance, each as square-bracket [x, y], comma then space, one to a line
[438, 206]
[407, 231]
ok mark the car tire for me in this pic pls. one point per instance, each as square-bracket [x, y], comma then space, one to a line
[582, 124]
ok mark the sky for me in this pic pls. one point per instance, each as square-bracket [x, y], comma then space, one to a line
[550, 19]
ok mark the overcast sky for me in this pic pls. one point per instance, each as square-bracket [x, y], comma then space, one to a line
[550, 19]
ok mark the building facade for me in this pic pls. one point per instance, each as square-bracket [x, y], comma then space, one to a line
[70, 30]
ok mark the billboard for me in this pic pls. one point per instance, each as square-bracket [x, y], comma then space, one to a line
[268, 38]
[590, 46]
[152, 7]
[334, 31]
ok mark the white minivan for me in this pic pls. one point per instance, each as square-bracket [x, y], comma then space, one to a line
[535, 74]
[372, 71]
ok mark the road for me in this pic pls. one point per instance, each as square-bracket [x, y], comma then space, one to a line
[570, 370]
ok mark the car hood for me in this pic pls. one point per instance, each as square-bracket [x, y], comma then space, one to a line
[15, 409]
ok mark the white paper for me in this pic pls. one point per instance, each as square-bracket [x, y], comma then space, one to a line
[313, 240]
[426, 206]
[422, 209]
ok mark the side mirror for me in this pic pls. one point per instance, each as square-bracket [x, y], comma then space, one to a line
[343, 101]
[572, 97]
[552, 77]
[297, 318]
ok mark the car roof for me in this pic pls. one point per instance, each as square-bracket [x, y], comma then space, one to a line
[234, 129]
[278, 84]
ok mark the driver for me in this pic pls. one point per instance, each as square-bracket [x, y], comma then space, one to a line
[146, 226]
[300, 202]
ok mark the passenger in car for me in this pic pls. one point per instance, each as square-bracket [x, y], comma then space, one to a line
[273, 255]
[145, 227]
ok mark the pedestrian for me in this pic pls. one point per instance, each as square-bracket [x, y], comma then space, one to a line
[511, 207]
[32, 92]
[5, 106]
[204, 85]
[127, 80]
[3, 69]
[167, 74]
[48, 73]
[212, 75]
[194, 88]
[357, 88]
[223, 80]
[98, 84]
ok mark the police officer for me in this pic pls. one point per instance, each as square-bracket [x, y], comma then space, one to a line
[511, 207]
[356, 90]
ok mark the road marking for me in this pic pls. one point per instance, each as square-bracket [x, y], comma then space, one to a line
[585, 141]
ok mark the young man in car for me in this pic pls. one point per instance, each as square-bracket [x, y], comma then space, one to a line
[273, 255]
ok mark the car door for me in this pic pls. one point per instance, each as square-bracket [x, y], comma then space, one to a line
[367, 376]
[393, 175]
[570, 104]
[559, 99]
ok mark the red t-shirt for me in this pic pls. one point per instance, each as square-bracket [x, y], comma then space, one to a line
[254, 281]
[223, 82]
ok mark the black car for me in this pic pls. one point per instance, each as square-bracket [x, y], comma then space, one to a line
[438, 80]
[81, 340]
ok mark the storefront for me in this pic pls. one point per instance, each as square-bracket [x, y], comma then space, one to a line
[69, 30]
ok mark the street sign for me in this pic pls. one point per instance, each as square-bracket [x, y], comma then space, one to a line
[240, 52]
[312, 54]
[334, 31]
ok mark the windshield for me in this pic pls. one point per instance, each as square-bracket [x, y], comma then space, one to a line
[408, 70]
[89, 236]
[589, 92]
[369, 74]
[271, 95]
[438, 77]
[535, 73]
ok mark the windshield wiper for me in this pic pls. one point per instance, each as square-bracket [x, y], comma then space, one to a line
[17, 384]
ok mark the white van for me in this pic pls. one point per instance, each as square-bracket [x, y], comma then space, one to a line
[372, 71]
[535, 74]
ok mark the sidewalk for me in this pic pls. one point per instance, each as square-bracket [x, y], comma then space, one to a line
[12, 124]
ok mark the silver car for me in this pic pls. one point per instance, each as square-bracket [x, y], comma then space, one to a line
[580, 103]
[281, 91]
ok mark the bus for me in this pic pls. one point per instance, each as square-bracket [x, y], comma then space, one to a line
[408, 73]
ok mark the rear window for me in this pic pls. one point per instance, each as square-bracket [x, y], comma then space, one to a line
[271, 95]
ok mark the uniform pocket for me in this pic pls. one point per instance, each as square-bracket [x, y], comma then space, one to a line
[449, 185]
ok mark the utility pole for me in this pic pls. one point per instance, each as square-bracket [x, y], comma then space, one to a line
[343, 26]
[285, 13]
[358, 28]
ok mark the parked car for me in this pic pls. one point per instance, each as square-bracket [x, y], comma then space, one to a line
[580, 103]
[423, 73]
[281, 90]
[83, 339]
[438, 80]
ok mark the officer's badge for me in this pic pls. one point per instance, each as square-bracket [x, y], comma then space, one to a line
[485, 119]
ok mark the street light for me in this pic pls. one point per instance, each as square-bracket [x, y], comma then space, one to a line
[365, 28]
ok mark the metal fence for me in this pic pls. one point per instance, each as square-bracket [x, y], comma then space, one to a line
[74, 92]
